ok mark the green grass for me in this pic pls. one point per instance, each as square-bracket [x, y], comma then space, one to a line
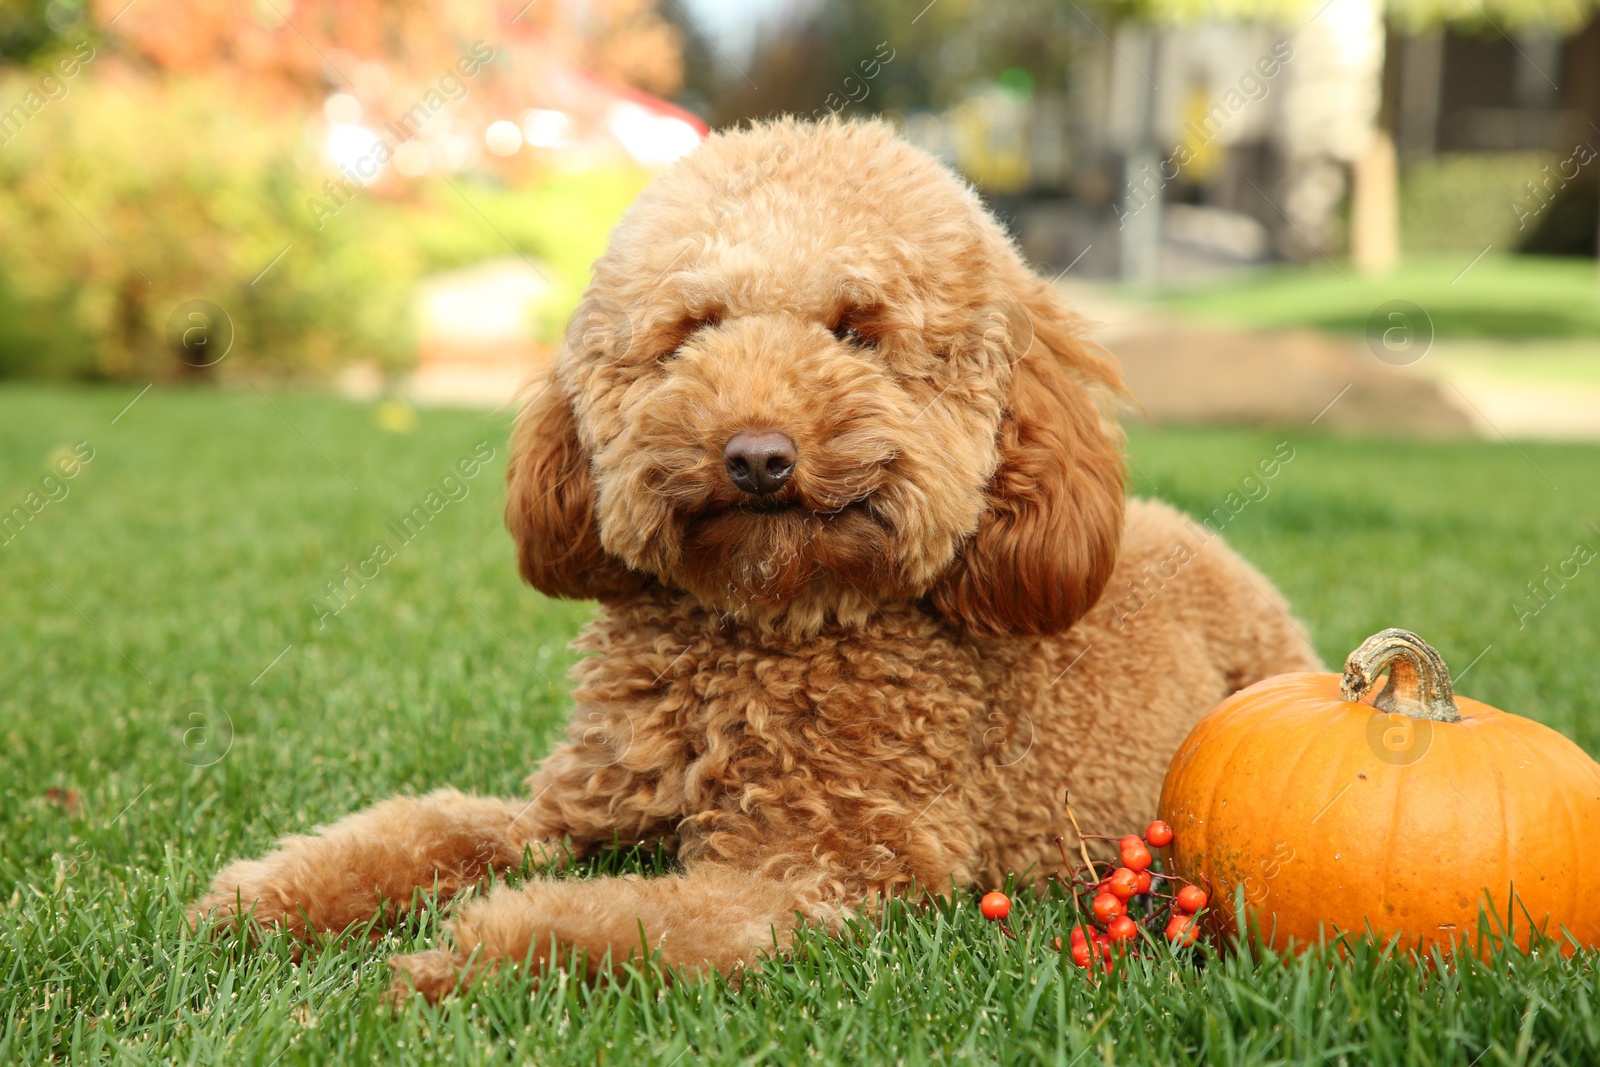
[181, 564]
[1499, 296]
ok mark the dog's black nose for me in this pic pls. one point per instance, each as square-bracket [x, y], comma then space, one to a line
[759, 461]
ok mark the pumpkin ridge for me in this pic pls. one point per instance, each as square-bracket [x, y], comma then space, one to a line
[1553, 773]
[1227, 763]
[1493, 765]
[1281, 788]
[1388, 892]
[1589, 856]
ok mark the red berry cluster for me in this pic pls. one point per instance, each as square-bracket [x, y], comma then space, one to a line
[1119, 902]
[1130, 885]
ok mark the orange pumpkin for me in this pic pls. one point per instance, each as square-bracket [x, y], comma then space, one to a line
[1334, 810]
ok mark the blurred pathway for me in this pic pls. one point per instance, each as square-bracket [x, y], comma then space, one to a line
[1186, 372]
[1526, 389]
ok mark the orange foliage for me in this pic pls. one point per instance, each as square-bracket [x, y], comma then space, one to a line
[302, 48]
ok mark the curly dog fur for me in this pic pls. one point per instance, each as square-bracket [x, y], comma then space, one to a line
[879, 677]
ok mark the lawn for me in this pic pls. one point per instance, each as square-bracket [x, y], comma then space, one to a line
[171, 696]
[1495, 297]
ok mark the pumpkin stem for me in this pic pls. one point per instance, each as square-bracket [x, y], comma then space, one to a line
[1419, 682]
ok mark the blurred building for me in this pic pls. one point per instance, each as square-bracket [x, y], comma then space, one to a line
[1187, 149]
[1456, 92]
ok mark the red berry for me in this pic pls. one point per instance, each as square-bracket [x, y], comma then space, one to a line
[1122, 928]
[1158, 834]
[1081, 935]
[1141, 882]
[1183, 929]
[1131, 841]
[995, 906]
[1191, 898]
[1136, 857]
[1082, 954]
[1122, 884]
[1107, 907]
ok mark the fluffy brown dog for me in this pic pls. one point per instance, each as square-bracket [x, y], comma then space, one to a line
[834, 463]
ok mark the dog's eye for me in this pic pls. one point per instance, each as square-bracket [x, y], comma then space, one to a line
[853, 329]
[681, 335]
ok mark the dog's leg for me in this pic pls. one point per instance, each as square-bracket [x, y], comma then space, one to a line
[369, 866]
[750, 877]
[372, 863]
[711, 916]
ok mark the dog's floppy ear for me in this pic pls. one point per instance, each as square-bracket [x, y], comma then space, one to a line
[550, 506]
[1047, 542]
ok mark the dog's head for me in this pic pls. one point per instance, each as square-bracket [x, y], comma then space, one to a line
[813, 377]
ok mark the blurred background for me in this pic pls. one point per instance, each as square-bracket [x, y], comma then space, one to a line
[271, 272]
[401, 199]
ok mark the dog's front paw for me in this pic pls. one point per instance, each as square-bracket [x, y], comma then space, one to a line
[429, 975]
[248, 889]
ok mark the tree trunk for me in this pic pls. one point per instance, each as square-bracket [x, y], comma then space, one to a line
[1375, 207]
[1375, 178]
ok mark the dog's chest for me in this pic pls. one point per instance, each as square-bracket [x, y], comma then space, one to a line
[716, 709]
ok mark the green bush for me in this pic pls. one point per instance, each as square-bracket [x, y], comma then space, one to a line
[130, 196]
[1460, 203]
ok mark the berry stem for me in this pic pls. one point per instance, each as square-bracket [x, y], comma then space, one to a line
[1082, 848]
[1077, 911]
